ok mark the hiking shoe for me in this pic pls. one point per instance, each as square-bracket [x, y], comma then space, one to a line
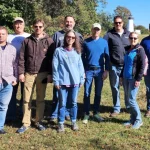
[98, 118]
[114, 114]
[85, 119]
[40, 127]
[74, 126]
[2, 131]
[67, 118]
[22, 129]
[137, 124]
[147, 114]
[60, 128]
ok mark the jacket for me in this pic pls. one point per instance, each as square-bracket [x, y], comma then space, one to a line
[138, 62]
[117, 46]
[67, 67]
[36, 55]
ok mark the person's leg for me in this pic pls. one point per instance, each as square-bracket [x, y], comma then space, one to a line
[134, 108]
[21, 100]
[114, 74]
[98, 89]
[147, 83]
[40, 95]
[87, 91]
[5, 96]
[62, 96]
[11, 112]
[55, 103]
[28, 93]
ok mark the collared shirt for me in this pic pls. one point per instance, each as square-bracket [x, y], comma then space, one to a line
[8, 64]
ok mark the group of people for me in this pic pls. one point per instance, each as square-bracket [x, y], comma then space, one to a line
[69, 62]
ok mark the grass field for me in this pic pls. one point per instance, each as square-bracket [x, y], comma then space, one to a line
[108, 135]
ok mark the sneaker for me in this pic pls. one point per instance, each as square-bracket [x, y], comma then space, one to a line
[40, 127]
[98, 118]
[22, 129]
[74, 126]
[85, 119]
[2, 131]
[114, 114]
[137, 124]
[127, 124]
[60, 128]
[147, 114]
[67, 118]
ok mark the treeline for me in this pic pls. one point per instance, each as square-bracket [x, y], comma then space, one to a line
[53, 12]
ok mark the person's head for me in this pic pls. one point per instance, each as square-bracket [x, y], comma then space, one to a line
[96, 30]
[69, 23]
[133, 37]
[118, 23]
[38, 26]
[18, 25]
[72, 40]
[3, 34]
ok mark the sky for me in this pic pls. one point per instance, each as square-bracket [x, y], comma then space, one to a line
[140, 9]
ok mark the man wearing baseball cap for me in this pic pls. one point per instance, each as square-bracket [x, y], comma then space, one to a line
[16, 40]
[95, 51]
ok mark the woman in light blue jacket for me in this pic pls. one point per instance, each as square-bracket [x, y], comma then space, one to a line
[68, 76]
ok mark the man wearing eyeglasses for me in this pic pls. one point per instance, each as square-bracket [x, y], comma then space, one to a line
[58, 38]
[95, 51]
[16, 40]
[117, 41]
[35, 65]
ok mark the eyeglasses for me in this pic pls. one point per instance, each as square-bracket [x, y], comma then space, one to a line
[38, 27]
[71, 37]
[133, 38]
[118, 22]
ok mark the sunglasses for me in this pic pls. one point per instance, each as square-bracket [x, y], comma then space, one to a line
[38, 27]
[133, 38]
[71, 37]
[118, 22]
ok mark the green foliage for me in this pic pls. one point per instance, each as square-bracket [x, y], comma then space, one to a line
[142, 28]
[123, 12]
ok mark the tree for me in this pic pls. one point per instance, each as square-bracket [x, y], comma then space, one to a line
[123, 12]
[142, 28]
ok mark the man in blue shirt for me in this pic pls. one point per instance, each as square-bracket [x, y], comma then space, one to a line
[146, 45]
[96, 62]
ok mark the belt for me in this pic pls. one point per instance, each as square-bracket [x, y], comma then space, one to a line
[93, 68]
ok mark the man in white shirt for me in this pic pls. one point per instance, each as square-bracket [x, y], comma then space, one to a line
[16, 40]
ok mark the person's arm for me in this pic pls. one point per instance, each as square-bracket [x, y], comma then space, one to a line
[81, 71]
[21, 62]
[55, 65]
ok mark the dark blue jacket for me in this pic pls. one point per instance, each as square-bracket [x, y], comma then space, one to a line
[117, 46]
[138, 62]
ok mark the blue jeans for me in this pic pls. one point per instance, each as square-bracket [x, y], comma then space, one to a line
[147, 83]
[114, 74]
[11, 112]
[55, 105]
[130, 98]
[97, 76]
[5, 96]
[67, 94]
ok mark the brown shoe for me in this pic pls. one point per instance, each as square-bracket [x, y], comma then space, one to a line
[147, 114]
[114, 114]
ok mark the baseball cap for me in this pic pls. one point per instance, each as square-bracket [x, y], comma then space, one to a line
[18, 19]
[96, 25]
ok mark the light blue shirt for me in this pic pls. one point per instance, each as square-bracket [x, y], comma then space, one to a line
[67, 67]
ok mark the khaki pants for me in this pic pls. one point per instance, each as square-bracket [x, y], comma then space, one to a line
[30, 81]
